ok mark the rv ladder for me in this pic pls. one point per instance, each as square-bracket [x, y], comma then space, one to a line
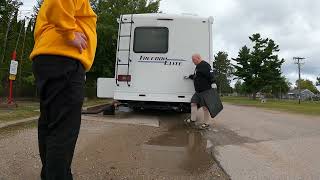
[129, 49]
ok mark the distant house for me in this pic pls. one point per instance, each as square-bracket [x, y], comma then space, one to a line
[305, 94]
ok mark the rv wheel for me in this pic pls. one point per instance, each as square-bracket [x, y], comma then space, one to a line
[109, 111]
[186, 109]
[137, 109]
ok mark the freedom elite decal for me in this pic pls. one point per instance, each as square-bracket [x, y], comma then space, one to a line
[161, 60]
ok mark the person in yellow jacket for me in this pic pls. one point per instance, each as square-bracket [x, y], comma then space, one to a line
[64, 49]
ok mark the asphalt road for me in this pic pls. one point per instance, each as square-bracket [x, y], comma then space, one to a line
[272, 145]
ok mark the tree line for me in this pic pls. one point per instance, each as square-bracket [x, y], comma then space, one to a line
[16, 33]
[257, 69]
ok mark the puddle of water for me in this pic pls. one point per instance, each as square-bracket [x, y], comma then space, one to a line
[124, 109]
[178, 150]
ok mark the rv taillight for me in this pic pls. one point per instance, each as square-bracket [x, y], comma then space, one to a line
[124, 78]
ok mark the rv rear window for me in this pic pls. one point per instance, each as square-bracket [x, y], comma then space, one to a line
[151, 40]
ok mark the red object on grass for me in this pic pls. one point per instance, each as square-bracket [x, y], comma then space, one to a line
[10, 98]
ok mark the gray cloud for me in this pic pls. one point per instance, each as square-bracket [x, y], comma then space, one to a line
[292, 24]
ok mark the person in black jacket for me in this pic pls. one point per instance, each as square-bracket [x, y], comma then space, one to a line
[203, 79]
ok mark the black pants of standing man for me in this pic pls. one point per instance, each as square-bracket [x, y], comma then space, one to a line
[60, 83]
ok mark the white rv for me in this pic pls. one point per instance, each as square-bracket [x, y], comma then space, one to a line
[153, 56]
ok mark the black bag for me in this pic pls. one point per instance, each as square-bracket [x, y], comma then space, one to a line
[212, 101]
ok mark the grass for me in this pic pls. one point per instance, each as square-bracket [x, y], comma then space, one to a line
[307, 108]
[27, 109]
[24, 110]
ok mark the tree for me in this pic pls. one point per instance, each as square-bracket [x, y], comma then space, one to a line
[36, 9]
[14, 36]
[9, 29]
[281, 87]
[307, 84]
[9, 14]
[259, 67]
[223, 69]
[107, 29]
[278, 89]
[240, 88]
[318, 81]
[237, 87]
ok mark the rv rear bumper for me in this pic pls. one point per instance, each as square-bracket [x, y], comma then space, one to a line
[147, 97]
[149, 105]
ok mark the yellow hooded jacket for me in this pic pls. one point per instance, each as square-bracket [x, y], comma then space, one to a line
[56, 24]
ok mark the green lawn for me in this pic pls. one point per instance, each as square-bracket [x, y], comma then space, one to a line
[308, 108]
[24, 110]
[27, 109]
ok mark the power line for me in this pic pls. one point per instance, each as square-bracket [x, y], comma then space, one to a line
[299, 63]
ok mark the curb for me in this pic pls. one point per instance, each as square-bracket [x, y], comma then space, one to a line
[14, 123]
[88, 107]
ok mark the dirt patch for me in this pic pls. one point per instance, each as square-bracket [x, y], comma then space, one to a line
[117, 151]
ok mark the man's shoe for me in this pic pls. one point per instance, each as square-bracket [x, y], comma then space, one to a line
[189, 122]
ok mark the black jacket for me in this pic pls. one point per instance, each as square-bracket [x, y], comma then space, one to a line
[203, 77]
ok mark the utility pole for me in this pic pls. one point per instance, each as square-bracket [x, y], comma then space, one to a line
[299, 63]
[280, 84]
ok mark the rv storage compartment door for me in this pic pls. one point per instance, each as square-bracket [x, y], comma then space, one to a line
[105, 87]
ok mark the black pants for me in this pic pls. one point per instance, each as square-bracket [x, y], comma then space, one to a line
[60, 82]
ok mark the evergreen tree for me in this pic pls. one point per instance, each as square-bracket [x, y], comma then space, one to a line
[259, 67]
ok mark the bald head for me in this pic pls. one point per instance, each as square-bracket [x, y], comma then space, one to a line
[196, 58]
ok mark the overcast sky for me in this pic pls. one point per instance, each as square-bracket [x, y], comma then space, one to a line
[293, 24]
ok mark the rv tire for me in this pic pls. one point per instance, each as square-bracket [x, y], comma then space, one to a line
[109, 111]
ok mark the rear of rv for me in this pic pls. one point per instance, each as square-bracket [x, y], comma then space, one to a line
[153, 56]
